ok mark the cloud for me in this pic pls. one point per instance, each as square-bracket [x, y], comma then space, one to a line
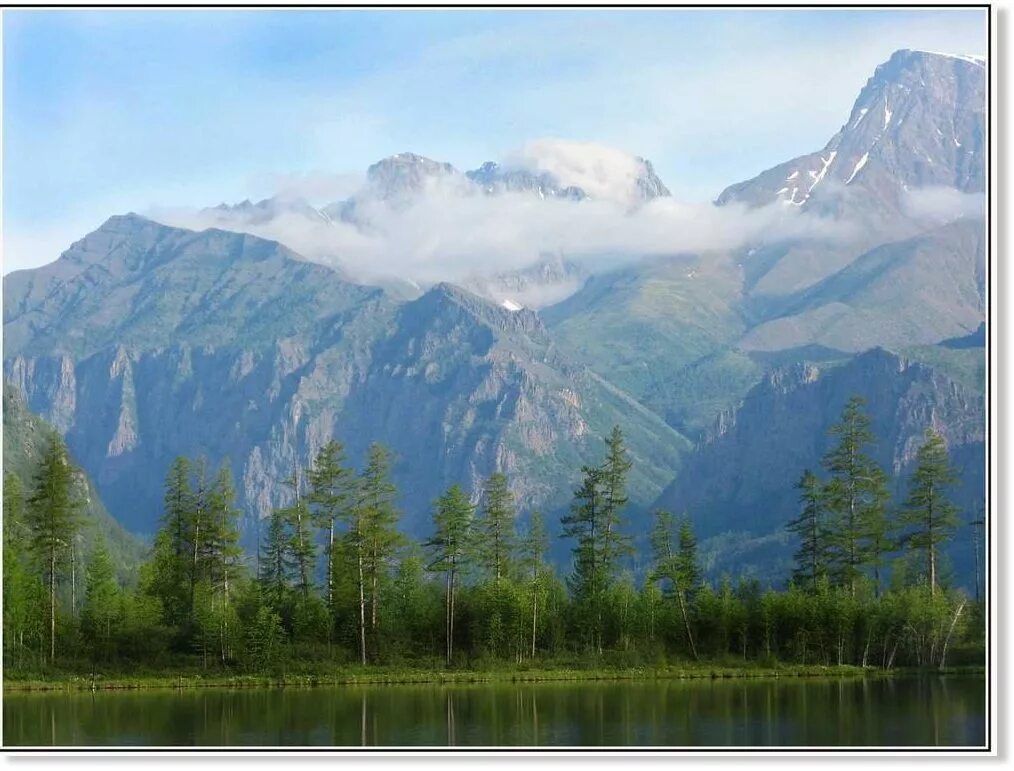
[943, 204]
[449, 232]
[602, 172]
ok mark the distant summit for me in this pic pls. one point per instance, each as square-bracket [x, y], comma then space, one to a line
[918, 122]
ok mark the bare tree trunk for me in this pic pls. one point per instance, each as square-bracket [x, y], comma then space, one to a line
[450, 631]
[535, 615]
[447, 617]
[73, 578]
[947, 640]
[362, 611]
[686, 623]
[52, 606]
[330, 571]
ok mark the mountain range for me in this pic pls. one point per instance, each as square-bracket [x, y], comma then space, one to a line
[724, 366]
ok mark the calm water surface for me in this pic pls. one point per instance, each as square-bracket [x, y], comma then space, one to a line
[943, 711]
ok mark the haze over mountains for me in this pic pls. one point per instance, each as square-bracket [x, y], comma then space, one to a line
[507, 317]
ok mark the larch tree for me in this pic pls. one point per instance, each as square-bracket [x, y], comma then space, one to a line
[594, 523]
[855, 493]
[302, 548]
[688, 567]
[102, 601]
[451, 549]
[614, 499]
[332, 494]
[197, 526]
[497, 526]
[380, 519]
[223, 552]
[667, 568]
[928, 512]
[53, 518]
[534, 547]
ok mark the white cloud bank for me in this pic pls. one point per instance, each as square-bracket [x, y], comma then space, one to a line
[453, 232]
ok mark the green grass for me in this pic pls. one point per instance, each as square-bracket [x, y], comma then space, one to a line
[379, 675]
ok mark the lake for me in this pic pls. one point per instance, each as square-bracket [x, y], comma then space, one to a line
[817, 712]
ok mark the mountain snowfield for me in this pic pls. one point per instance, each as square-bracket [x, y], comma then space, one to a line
[506, 317]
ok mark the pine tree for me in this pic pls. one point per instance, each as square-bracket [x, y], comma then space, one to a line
[855, 494]
[534, 548]
[497, 526]
[451, 548]
[932, 517]
[102, 601]
[811, 557]
[332, 495]
[53, 521]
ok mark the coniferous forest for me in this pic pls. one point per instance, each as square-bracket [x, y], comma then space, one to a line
[335, 584]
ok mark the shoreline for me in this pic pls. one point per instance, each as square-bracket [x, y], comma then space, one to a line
[77, 683]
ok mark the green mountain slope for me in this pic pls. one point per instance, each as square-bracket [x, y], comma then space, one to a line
[26, 438]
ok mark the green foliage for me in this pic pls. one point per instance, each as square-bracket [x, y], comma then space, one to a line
[265, 637]
[387, 601]
[855, 496]
[930, 516]
[496, 527]
[102, 607]
[812, 555]
[594, 523]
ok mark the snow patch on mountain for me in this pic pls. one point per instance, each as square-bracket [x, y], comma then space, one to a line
[858, 167]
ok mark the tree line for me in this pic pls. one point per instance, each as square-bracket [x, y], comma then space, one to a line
[335, 581]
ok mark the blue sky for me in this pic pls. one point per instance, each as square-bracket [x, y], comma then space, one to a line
[109, 111]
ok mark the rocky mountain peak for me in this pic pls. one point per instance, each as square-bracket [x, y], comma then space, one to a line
[404, 174]
[918, 122]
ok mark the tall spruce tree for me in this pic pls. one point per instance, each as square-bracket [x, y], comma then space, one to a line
[812, 554]
[451, 548]
[855, 494]
[53, 518]
[928, 512]
[274, 561]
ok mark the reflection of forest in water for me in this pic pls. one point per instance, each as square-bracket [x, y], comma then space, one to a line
[943, 711]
